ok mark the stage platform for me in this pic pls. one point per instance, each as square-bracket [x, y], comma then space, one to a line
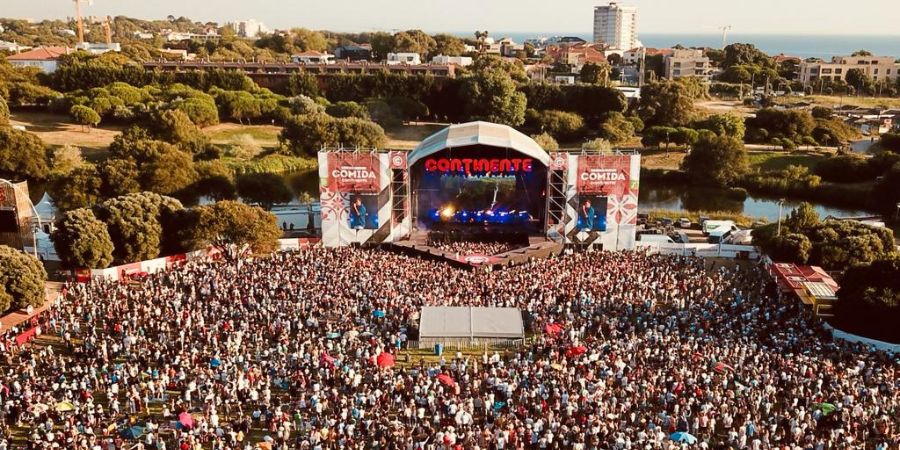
[538, 247]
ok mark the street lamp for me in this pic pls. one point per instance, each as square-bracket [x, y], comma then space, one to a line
[780, 209]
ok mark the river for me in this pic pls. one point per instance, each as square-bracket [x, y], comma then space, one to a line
[688, 198]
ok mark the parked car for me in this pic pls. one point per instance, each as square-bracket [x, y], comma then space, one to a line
[684, 222]
[657, 238]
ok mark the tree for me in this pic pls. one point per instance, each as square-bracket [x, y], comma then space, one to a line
[134, 224]
[303, 84]
[239, 105]
[446, 44]
[803, 218]
[265, 189]
[175, 127]
[77, 188]
[790, 247]
[858, 78]
[4, 112]
[559, 124]
[348, 109]
[593, 73]
[214, 180]
[656, 136]
[862, 53]
[666, 104]
[82, 240]
[22, 155]
[716, 160]
[616, 128]
[890, 142]
[66, 158]
[546, 142]
[307, 134]
[120, 177]
[234, 223]
[306, 40]
[869, 299]
[784, 124]
[22, 279]
[745, 54]
[169, 174]
[414, 41]
[492, 96]
[86, 117]
[728, 125]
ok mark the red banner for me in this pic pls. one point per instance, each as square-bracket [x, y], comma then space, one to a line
[26, 336]
[559, 161]
[353, 172]
[604, 174]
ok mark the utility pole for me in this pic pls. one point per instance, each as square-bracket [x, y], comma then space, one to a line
[780, 209]
[725, 35]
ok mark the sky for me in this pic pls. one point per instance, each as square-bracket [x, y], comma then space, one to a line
[866, 17]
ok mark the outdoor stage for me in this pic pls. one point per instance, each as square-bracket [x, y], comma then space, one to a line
[480, 182]
[538, 247]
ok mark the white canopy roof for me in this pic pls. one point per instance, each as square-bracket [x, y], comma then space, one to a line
[45, 208]
[475, 322]
[479, 133]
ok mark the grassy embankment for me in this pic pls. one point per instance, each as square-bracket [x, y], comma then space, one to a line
[835, 100]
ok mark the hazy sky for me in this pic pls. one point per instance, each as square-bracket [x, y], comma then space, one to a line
[874, 17]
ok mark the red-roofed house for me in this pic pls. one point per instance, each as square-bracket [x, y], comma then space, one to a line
[44, 58]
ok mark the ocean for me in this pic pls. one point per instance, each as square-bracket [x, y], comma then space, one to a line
[804, 46]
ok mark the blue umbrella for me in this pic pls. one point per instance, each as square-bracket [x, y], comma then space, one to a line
[683, 436]
[133, 433]
[215, 363]
[378, 314]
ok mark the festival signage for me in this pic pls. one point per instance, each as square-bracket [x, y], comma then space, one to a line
[353, 172]
[604, 174]
[398, 160]
[479, 165]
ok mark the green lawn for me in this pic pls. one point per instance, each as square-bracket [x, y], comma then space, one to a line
[775, 161]
[836, 100]
[227, 133]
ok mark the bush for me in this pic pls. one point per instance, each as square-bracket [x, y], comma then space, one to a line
[559, 124]
[82, 241]
[869, 300]
[736, 193]
[846, 169]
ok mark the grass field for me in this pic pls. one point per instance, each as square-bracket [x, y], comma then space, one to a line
[226, 133]
[409, 136]
[659, 159]
[775, 161]
[57, 130]
[834, 100]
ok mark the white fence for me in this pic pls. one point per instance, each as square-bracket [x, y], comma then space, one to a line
[872, 343]
[704, 250]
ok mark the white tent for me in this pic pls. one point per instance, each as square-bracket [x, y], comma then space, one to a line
[45, 248]
[479, 133]
[45, 208]
[458, 325]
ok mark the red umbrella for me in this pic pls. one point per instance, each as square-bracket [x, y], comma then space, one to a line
[576, 351]
[553, 328]
[385, 360]
[328, 359]
[446, 380]
[186, 420]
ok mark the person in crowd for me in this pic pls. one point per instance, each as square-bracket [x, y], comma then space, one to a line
[623, 351]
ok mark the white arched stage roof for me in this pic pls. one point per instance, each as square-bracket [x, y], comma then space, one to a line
[479, 133]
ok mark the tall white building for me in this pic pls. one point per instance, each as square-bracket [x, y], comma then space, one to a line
[616, 26]
[249, 28]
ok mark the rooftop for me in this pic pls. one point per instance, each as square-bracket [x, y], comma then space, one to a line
[40, 54]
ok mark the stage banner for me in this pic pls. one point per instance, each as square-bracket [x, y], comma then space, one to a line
[559, 161]
[608, 175]
[353, 172]
[398, 160]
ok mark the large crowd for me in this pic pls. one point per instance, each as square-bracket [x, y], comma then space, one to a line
[625, 351]
[464, 248]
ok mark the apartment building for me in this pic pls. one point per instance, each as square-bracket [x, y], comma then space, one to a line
[615, 26]
[687, 63]
[879, 68]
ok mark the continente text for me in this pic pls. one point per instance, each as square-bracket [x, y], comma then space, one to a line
[483, 165]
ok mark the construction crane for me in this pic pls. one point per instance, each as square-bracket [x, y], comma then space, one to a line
[108, 30]
[78, 20]
[725, 30]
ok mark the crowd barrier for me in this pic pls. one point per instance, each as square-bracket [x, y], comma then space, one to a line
[138, 269]
[703, 250]
[850, 337]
